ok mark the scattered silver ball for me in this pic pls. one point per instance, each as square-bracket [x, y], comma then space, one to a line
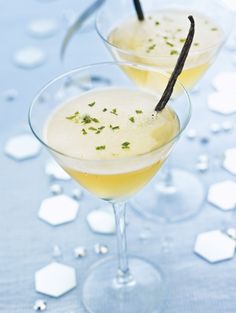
[10, 95]
[191, 134]
[202, 167]
[227, 126]
[195, 89]
[56, 251]
[100, 249]
[204, 140]
[77, 193]
[215, 128]
[145, 234]
[68, 82]
[230, 45]
[40, 305]
[80, 252]
[203, 158]
[231, 232]
[56, 189]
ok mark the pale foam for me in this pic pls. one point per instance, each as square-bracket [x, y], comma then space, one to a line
[173, 25]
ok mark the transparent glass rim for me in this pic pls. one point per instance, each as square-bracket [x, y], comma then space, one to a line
[86, 67]
[166, 56]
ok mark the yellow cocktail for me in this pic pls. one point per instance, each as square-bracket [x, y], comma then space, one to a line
[110, 124]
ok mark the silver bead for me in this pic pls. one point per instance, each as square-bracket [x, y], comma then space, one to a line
[227, 126]
[231, 232]
[215, 128]
[80, 252]
[191, 134]
[56, 251]
[202, 167]
[101, 249]
[56, 189]
[40, 305]
[204, 140]
[10, 95]
[77, 193]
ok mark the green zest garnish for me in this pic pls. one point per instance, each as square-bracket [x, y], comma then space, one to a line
[173, 52]
[150, 39]
[196, 44]
[179, 30]
[152, 47]
[100, 147]
[86, 119]
[157, 23]
[114, 127]
[74, 117]
[125, 145]
[104, 110]
[95, 120]
[165, 37]
[84, 132]
[214, 29]
[91, 104]
[169, 44]
[114, 111]
[93, 128]
[182, 39]
[139, 111]
[132, 119]
[97, 130]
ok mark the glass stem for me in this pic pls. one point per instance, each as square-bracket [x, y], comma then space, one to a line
[168, 179]
[123, 274]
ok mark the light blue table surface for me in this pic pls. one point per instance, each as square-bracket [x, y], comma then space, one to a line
[26, 242]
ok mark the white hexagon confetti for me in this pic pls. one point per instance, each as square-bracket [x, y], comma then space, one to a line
[22, 147]
[214, 246]
[230, 160]
[223, 195]
[54, 170]
[58, 210]
[225, 81]
[231, 4]
[102, 220]
[222, 102]
[55, 279]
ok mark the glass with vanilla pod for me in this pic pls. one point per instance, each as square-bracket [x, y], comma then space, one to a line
[111, 124]
[158, 39]
[108, 137]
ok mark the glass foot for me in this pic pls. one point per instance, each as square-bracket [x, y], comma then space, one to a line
[171, 204]
[143, 294]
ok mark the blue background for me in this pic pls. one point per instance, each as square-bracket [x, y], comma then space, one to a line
[26, 243]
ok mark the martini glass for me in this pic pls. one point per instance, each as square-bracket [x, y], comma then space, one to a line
[179, 194]
[116, 284]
